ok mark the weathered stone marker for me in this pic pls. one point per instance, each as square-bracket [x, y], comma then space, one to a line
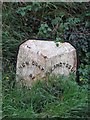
[36, 59]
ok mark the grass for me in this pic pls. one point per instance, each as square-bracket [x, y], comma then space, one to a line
[60, 96]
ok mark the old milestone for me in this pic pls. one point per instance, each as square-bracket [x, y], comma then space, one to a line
[37, 59]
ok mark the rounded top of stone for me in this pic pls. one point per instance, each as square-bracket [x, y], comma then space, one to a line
[47, 48]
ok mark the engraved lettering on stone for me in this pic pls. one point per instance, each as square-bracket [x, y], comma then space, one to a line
[30, 75]
[33, 77]
[32, 62]
[28, 47]
[43, 57]
[23, 64]
[27, 63]
[51, 69]
[42, 68]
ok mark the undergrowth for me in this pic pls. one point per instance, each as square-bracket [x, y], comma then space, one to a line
[58, 97]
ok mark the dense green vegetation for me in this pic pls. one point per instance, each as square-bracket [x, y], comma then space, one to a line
[64, 22]
[60, 97]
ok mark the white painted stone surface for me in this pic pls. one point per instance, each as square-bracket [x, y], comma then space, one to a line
[36, 59]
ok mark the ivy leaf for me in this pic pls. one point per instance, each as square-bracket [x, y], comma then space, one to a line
[21, 11]
[56, 20]
[29, 7]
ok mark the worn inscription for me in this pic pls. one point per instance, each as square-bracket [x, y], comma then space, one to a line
[37, 65]
[50, 70]
[60, 64]
[53, 67]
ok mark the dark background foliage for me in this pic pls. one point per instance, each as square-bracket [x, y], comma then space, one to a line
[53, 21]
